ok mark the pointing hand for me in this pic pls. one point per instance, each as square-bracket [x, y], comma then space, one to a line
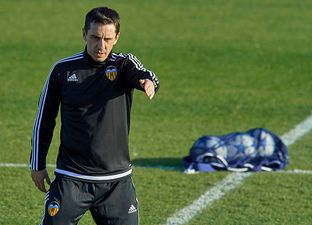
[148, 87]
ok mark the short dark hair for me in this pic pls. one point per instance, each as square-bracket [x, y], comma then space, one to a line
[102, 15]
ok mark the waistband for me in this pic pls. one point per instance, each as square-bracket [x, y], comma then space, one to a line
[92, 178]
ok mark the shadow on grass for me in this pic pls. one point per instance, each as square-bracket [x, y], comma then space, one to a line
[160, 163]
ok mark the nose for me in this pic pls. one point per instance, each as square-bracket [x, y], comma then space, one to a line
[102, 44]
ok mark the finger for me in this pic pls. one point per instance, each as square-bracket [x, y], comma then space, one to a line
[39, 178]
[149, 88]
[44, 189]
[48, 180]
[41, 187]
[36, 182]
[150, 94]
[142, 82]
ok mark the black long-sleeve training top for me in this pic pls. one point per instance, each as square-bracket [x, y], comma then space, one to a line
[95, 102]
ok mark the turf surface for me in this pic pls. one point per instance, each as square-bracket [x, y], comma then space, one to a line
[224, 66]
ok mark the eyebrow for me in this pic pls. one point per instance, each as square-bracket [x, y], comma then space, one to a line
[97, 36]
[94, 35]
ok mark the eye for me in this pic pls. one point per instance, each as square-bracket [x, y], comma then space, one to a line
[108, 39]
[95, 37]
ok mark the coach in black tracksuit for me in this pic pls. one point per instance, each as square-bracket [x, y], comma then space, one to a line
[94, 89]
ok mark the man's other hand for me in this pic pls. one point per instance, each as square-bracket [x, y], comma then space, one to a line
[39, 178]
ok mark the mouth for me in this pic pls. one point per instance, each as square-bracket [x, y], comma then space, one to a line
[100, 52]
[99, 56]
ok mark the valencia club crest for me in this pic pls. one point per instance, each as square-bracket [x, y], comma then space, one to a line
[111, 73]
[53, 208]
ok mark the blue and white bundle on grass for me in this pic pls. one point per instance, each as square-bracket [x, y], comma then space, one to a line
[254, 150]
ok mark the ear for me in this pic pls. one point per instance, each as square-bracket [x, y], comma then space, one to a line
[116, 38]
[84, 34]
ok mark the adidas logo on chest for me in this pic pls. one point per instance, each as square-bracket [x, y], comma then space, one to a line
[72, 78]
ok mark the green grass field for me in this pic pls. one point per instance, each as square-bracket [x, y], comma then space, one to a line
[224, 66]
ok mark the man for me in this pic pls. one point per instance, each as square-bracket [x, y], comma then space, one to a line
[94, 89]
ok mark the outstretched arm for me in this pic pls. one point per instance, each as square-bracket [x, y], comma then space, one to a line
[139, 77]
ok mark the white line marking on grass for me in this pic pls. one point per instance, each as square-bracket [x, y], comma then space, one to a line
[22, 165]
[296, 171]
[232, 181]
[228, 183]
[173, 168]
[296, 133]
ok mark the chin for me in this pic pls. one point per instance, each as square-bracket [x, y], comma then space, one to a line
[99, 59]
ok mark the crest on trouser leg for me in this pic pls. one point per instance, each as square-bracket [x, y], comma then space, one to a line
[53, 208]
